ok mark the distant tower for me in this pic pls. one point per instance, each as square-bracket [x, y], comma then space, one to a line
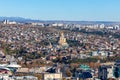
[62, 40]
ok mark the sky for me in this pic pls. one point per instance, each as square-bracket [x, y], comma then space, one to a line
[73, 10]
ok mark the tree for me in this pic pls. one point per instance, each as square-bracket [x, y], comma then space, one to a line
[74, 65]
[68, 73]
[39, 76]
[92, 64]
[111, 79]
[63, 79]
[6, 50]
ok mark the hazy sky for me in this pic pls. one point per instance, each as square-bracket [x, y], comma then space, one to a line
[88, 10]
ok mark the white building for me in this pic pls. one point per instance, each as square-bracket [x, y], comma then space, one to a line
[110, 72]
[9, 22]
[102, 26]
[52, 76]
[57, 24]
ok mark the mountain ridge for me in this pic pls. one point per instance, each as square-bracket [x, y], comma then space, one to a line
[27, 20]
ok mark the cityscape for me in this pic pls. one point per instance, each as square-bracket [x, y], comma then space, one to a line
[59, 48]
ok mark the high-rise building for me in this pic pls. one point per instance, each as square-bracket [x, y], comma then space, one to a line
[102, 73]
[116, 70]
[5, 21]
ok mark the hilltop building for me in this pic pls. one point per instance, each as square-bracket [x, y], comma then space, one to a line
[62, 41]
